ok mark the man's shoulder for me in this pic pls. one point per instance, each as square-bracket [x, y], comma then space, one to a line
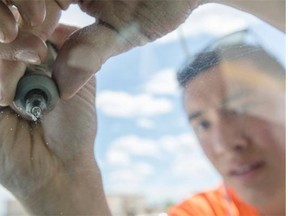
[209, 202]
[214, 202]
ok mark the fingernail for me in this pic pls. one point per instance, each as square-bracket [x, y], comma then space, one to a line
[28, 56]
[3, 101]
[2, 37]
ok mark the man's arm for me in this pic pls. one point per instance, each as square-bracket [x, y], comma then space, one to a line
[270, 11]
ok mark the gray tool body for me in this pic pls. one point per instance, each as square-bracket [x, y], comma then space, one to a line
[36, 92]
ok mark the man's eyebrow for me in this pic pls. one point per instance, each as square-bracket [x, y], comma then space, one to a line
[194, 115]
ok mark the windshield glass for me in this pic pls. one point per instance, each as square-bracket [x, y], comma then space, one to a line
[158, 125]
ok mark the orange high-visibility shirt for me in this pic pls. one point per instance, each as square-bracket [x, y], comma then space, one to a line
[218, 202]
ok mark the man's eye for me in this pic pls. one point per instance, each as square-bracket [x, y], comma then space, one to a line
[202, 125]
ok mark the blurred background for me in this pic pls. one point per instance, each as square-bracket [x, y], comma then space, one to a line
[149, 156]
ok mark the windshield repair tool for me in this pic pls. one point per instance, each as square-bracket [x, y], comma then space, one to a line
[36, 92]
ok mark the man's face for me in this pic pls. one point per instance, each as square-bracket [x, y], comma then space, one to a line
[238, 115]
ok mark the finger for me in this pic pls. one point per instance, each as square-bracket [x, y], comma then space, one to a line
[26, 47]
[33, 12]
[29, 46]
[53, 13]
[61, 33]
[84, 53]
[8, 24]
[10, 74]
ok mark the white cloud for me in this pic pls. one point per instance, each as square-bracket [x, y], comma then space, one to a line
[191, 166]
[122, 104]
[144, 169]
[133, 173]
[186, 156]
[129, 178]
[124, 148]
[118, 158]
[213, 19]
[181, 143]
[145, 123]
[180, 154]
[163, 83]
[127, 175]
[133, 145]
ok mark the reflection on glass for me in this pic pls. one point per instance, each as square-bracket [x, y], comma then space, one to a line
[148, 157]
[234, 96]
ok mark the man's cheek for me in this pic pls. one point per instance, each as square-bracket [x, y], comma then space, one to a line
[208, 150]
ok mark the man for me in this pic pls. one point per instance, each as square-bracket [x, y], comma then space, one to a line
[235, 101]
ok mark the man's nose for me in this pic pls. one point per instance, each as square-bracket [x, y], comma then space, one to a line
[228, 133]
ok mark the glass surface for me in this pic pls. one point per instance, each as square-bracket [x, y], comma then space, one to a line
[149, 156]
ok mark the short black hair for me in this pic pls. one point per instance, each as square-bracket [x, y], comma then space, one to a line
[202, 62]
[210, 58]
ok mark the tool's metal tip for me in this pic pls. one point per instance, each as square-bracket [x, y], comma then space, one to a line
[35, 105]
[36, 113]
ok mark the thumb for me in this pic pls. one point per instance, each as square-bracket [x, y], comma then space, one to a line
[86, 50]
[60, 35]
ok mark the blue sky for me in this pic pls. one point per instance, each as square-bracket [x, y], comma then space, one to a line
[144, 144]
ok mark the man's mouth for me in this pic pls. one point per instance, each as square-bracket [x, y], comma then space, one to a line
[247, 169]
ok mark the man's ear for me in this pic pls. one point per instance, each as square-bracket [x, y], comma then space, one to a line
[61, 33]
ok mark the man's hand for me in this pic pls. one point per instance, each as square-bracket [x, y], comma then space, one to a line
[31, 14]
[25, 30]
[25, 27]
[120, 25]
[49, 165]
